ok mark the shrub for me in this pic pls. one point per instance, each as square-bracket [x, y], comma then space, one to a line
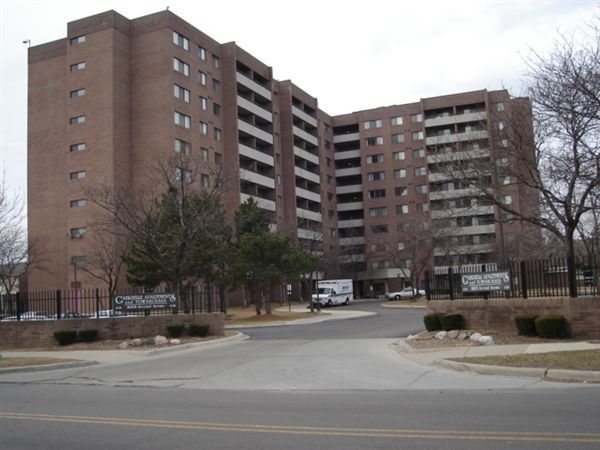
[432, 321]
[199, 329]
[175, 330]
[552, 326]
[451, 322]
[526, 324]
[65, 337]
[88, 335]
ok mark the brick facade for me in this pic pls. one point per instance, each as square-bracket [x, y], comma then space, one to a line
[36, 334]
[499, 314]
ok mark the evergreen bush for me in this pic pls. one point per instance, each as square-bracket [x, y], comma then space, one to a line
[451, 322]
[432, 321]
[553, 326]
[175, 330]
[526, 324]
[88, 335]
[199, 329]
[65, 337]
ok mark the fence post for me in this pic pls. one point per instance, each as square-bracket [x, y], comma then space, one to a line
[58, 303]
[98, 300]
[451, 282]
[523, 279]
[486, 294]
[427, 285]
[19, 306]
[572, 276]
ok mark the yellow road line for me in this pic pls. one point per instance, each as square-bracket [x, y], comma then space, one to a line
[392, 433]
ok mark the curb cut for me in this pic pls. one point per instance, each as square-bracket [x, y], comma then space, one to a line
[157, 351]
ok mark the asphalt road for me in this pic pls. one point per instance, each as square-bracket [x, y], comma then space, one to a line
[332, 385]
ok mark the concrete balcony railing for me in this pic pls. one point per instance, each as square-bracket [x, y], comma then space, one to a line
[458, 118]
[308, 195]
[346, 138]
[310, 235]
[457, 137]
[302, 213]
[351, 223]
[349, 154]
[462, 212]
[348, 171]
[263, 203]
[306, 136]
[348, 189]
[255, 131]
[303, 116]
[253, 177]
[352, 206]
[255, 109]
[307, 175]
[306, 155]
[256, 155]
[253, 86]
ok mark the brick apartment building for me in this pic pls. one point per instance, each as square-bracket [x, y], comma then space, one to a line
[107, 101]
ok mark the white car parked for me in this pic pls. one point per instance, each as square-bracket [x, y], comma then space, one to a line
[404, 294]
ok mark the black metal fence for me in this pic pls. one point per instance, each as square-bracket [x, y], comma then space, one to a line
[539, 278]
[98, 303]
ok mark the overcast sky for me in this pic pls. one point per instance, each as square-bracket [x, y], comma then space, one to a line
[351, 55]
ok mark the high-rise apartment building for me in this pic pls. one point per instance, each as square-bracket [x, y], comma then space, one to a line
[116, 95]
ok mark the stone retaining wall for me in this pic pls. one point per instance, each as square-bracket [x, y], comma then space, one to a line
[582, 313]
[36, 334]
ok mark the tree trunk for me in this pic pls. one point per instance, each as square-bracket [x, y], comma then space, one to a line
[571, 270]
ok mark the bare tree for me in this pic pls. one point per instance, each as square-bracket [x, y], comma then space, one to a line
[17, 252]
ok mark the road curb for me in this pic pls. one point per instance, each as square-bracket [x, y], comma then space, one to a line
[40, 368]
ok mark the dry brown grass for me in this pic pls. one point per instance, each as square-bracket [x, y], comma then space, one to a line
[247, 316]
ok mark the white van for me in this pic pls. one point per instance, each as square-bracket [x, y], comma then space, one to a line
[333, 292]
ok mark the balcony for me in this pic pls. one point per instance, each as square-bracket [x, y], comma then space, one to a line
[351, 241]
[302, 213]
[310, 235]
[348, 171]
[256, 178]
[350, 154]
[355, 223]
[466, 249]
[263, 203]
[303, 116]
[306, 136]
[307, 175]
[457, 137]
[256, 155]
[346, 137]
[350, 206]
[350, 189]
[253, 85]
[444, 195]
[254, 131]
[458, 118]
[306, 155]
[255, 109]
[462, 212]
[312, 196]
[468, 231]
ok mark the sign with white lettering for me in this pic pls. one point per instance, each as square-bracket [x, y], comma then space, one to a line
[486, 281]
[145, 301]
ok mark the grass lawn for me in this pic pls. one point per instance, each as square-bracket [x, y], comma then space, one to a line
[573, 360]
[10, 361]
[247, 315]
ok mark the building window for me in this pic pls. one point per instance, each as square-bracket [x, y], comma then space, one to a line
[374, 159]
[498, 107]
[204, 180]
[378, 212]
[77, 120]
[401, 209]
[417, 136]
[375, 265]
[422, 207]
[181, 93]
[400, 191]
[416, 118]
[216, 109]
[369, 124]
[502, 143]
[203, 103]
[218, 158]
[204, 128]
[377, 193]
[376, 176]
[420, 171]
[80, 146]
[507, 200]
[421, 189]
[216, 85]
[204, 154]
[181, 67]
[181, 41]
[499, 125]
[374, 141]
[78, 203]
[419, 153]
[202, 78]
[77, 66]
[401, 245]
[77, 175]
[202, 53]
[183, 174]
[396, 120]
[182, 120]
[77, 40]
[218, 134]
[77, 93]
[400, 173]
[79, 232]
[399, 156]
[78, 260]
[182, 147]
[216, 61]
[379, 229]
[504, 180]
[397, 138]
